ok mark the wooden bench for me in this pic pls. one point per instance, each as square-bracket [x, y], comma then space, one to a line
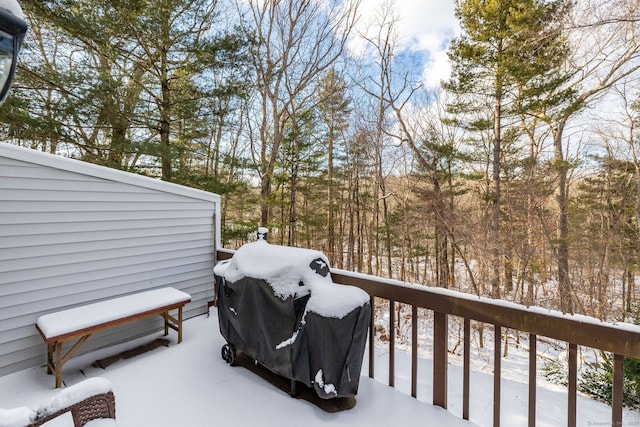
[79, 323]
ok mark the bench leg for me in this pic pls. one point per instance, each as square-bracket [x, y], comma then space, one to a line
[50, 349]
[55, 367]
[58, 365]
[179, 324]
[55, 352]
[165, 315]
[173, 323]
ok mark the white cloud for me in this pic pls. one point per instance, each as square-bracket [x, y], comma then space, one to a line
[425, 27]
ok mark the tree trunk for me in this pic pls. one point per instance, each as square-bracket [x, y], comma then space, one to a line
[562, 250]
[331, 245]
[165, 102]
[495, 200]
[293, 216]
[443, 278]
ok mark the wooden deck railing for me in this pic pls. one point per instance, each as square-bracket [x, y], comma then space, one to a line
[622, 341]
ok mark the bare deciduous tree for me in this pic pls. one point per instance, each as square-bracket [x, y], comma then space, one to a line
[605, 51]
[294, 43]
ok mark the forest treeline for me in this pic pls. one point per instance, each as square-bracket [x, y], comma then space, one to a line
[518, 177]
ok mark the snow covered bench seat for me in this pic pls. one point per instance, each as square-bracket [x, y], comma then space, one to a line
[88, 403]
[79, 323]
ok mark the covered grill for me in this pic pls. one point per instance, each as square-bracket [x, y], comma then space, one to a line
[279, 306]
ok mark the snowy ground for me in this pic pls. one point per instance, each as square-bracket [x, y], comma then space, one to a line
[188, 384]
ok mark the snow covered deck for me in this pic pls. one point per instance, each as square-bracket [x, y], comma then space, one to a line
[201, 390]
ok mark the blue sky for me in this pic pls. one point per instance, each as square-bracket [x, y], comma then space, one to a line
[425, 28]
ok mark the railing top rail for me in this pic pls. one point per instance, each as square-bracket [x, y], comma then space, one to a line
[620, 338]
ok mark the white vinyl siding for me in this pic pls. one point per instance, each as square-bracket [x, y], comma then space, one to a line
[72, 233]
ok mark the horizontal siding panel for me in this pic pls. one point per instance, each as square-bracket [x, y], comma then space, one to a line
[97, 204]
[102, 219]
[73, 233]
[17, 347]
[65, 221]
[90, 257]
[83, 272]
[24, 178]
[105, 279]
[12, 168]
[56, 298]
[92, 227]
[89, 271]
[54, 197]
[31, 248]
[24, 359]
[25, 362]
[49, 299]
[22, 332]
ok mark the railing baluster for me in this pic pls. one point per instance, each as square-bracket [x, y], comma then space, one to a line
[497, 373]
[414, 351]
[372, 337]
[617, 393]
[392, 343]
[466, 370]
[533, 351]
[440, 366]
[573, 384]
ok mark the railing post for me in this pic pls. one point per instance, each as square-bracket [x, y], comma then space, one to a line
[497, 373]
[533, 351]
[573, 384]
[414, 351]
[466, 373]
[440, 355]
[372, 337]
[617, 392]
[392, 343]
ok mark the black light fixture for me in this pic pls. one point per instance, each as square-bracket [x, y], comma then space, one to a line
[12, 31]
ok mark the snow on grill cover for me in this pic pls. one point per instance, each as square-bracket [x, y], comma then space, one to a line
[278, 305]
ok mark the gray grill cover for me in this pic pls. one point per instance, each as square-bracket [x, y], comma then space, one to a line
[281, 333]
